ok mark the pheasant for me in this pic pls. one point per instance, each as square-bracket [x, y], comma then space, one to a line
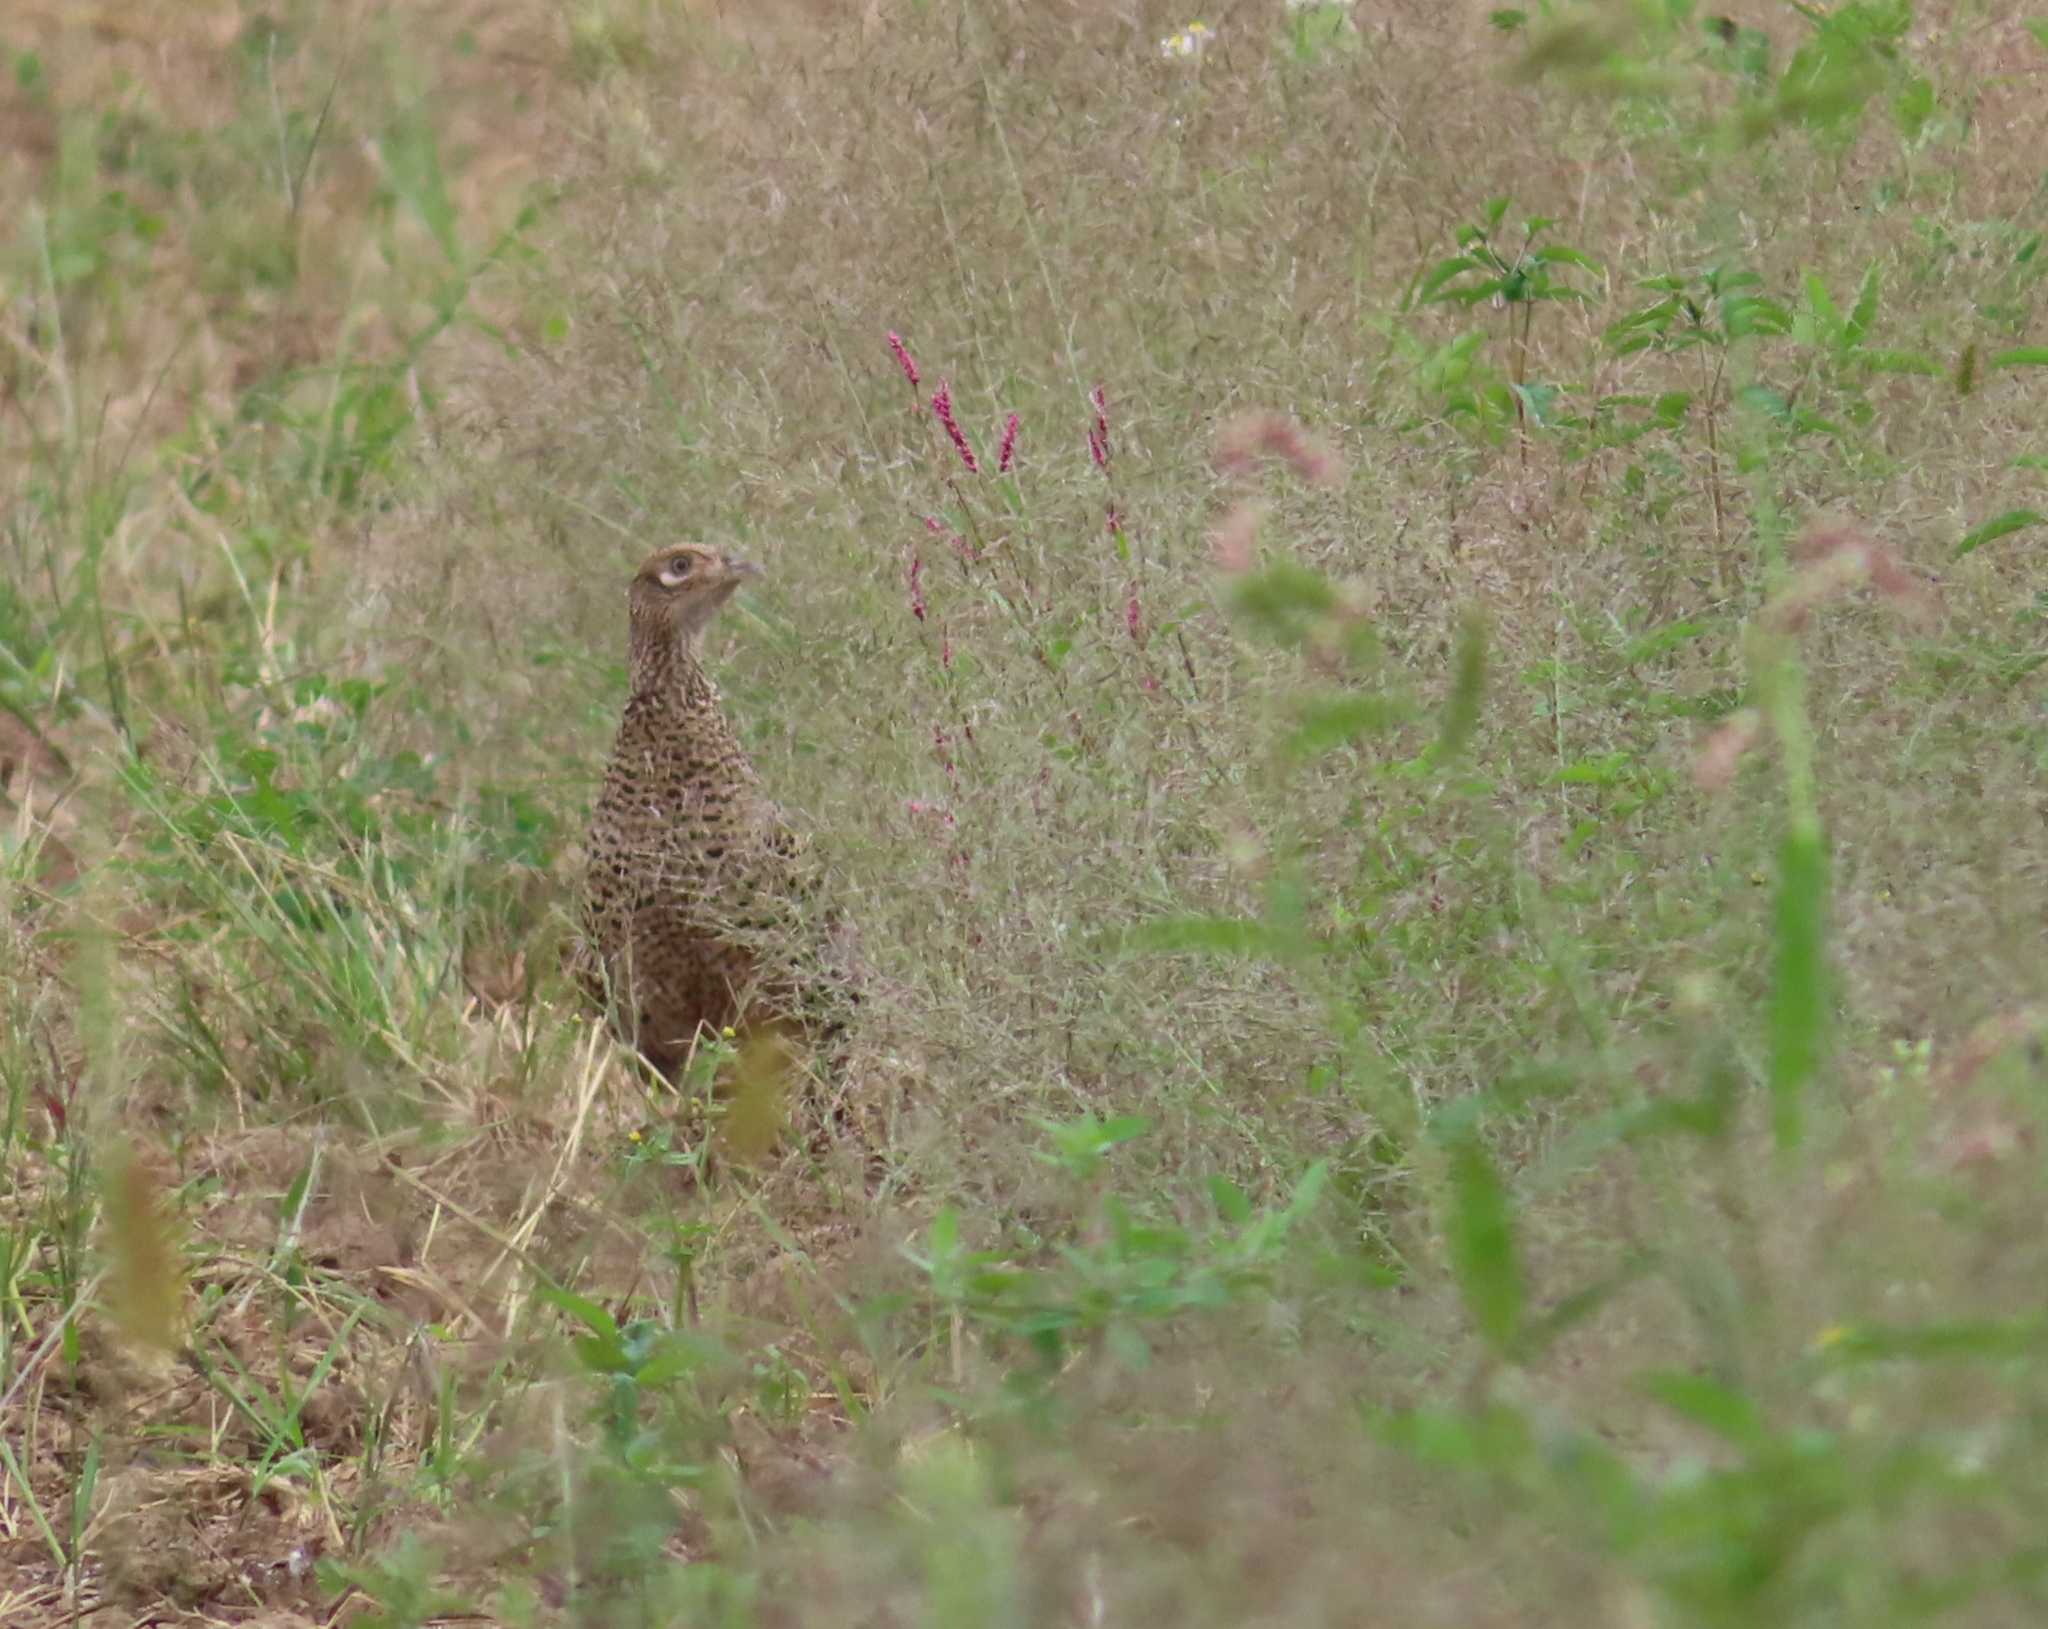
[693, 908]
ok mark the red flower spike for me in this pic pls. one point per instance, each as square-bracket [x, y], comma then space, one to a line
[942, 409]
[903, 358]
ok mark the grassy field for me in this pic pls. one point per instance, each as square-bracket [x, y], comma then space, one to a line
[1447, 822]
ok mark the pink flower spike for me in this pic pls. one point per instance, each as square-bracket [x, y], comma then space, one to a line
[1134, 620]
[903, 358]
[1098, 432]
[946, 650]
[1007, 453]
[917, 586]
[942, 409]
[931, 524]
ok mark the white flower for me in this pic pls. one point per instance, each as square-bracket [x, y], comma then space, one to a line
[1317, 5]
[1191, 41]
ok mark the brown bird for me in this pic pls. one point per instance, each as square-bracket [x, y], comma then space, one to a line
[695, 901]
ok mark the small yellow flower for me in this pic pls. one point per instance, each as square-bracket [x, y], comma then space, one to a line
[1833, 1335]
[728, 1032]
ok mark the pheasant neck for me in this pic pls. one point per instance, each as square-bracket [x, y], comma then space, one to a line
[665, 668]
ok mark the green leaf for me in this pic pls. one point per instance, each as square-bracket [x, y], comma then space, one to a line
[1538, 402]
[1282, 597]
[2027, 356]
[1799, 1000]
[1913, 106]
[1707, 1403]
[1669, 409]
[1606, 770]
[1747, 314]
[1441, 273]
[2013, 520]
[1640, 329]
[1210, 935]
[1655, 643]
[1558, 1320]
[1328, 724]
[1866, 308]
[1481, 1237]
[1899, 362]
[1822, 305]
[1468, 690]
[1993, 1340]
[588, 1313]
[1508, 20]
[942, 1238]
[1763, 399]
[1966, 371]
[1230, 1202]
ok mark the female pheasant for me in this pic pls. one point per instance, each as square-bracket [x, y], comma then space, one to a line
[693, 910]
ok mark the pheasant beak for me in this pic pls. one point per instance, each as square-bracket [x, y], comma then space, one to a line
[741, 568]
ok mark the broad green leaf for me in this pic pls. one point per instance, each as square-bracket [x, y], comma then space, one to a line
[943, 1236]
[1646, 647]
[1213, 935]
[1481, 1237]
[1966, 371]
[588, 1313]
[1442, 272]
[1866, 308]
[1468, 690]
[2013, 520]
[1994, 1340]
[1799, 997]
[2027, 356]
[1324, 725]
[1538, 401]
[1913, 106]
[1899, 362]
[1605, 770]
[1707, 1403]
[1641, 328]
[1747, 314]
[1822, 305]
[1230, 1201]
[1670, 408]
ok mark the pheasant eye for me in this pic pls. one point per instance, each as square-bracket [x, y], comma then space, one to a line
[673, 573]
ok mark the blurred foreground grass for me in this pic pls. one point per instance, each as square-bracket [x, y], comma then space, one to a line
[1447, 818]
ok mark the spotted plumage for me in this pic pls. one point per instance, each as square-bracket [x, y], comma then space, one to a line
[695, 911]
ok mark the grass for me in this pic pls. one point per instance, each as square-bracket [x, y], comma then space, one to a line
[1445, 845]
